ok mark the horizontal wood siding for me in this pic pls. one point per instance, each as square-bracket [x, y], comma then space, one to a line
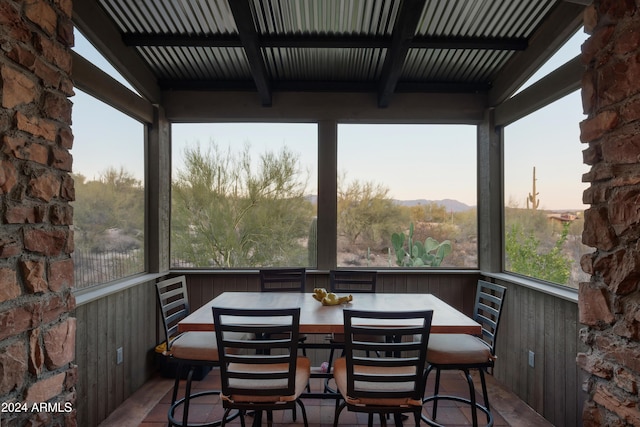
[549, 327]
[125, 319]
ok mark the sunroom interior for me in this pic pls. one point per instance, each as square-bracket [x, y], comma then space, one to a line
[269, 68]
[422, 62]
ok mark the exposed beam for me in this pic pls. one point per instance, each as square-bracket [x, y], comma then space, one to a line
[249, 37]
[419, 108]
[323, 86]
[101, 32]
[563, 21]
[404, 29]
[92, 80]
[325, 41]
[561, 82]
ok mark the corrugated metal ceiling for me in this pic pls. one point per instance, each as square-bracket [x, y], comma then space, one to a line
[266, 45]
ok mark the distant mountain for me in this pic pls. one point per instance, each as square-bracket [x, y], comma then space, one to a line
[450, 204]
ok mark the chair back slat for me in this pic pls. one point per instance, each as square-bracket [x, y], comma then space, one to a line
[488, 310]
[283, 280]
[173, 302]
[352, 281]
[391, 369]
[252, 363]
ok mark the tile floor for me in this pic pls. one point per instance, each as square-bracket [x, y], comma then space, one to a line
[507, 409]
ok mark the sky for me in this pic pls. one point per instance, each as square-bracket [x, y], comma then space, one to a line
[431, 162]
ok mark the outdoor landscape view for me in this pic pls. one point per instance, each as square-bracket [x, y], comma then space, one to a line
[244, 195]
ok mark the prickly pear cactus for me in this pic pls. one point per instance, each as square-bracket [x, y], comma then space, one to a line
[418, 254]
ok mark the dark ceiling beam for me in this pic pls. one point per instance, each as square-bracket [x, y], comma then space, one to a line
[326, 42]
[249, 37]
[92, 80]
[323, 86]
[404, 29]
[94, 24]
[559, 83]
[298, 107]
[559, 26]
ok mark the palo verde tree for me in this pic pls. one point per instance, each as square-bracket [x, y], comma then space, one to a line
[229, 211]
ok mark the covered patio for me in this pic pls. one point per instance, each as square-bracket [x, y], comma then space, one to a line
[327, 63]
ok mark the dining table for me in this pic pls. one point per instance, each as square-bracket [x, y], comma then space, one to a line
[316, 318]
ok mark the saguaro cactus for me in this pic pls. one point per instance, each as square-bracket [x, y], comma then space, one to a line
[533, 197]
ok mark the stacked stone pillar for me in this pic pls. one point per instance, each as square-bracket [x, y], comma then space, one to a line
[610, 302]
[37, 328]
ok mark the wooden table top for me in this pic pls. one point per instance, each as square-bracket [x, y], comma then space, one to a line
[316, 318]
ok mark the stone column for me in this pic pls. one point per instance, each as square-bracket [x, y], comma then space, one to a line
[610, 302]
[37, 328]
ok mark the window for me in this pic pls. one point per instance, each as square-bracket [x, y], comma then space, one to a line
[543, 170]
[109, 208]
[407, 183]
[243, 195]
[108, 173]
[543, 191]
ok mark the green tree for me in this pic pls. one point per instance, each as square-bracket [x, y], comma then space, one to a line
[231, 212]
[524, 256]
[366, 213]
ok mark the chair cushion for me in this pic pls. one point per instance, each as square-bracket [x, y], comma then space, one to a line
[453, 349]
[340, 375]
[195, 345]
[198, 345]
[303, 373]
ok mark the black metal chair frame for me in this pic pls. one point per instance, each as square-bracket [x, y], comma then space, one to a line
[487, 311]
[394, 354]
[262, 351]
[284, 279]
[347, 281]
[173, 302]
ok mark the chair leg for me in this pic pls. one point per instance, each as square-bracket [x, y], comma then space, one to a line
[304, 413]
[339, 408]
[472, 398]
[176, 383]
[187, 398]
[417, 415]
[435, 393]
[397, 418]
[485, 394]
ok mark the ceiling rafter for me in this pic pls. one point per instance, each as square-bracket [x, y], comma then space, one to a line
[404, 29]
[325, 42]
[243, 17]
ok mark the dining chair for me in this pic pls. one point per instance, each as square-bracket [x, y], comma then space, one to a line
[187, 350]
[466, 352]
[347, 282]
[390, 381]
[263, 373]
[285, 280]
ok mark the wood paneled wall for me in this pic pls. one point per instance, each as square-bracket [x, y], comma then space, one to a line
[125, 319]
[548, 326]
